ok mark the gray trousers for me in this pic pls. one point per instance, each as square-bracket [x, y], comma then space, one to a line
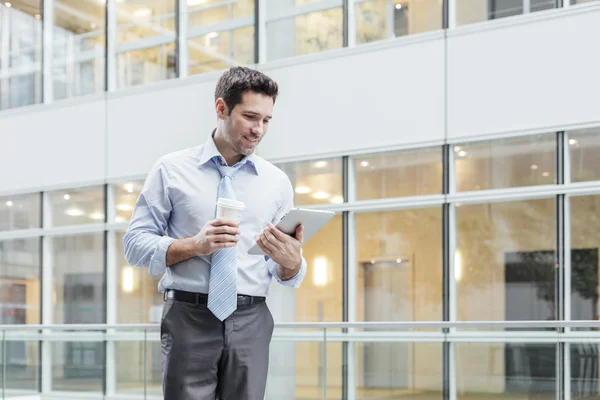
[206, 359]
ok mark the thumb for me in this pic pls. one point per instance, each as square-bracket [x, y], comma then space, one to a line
[300, 233]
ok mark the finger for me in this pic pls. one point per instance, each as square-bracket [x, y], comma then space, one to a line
[222, 245]
[262, 246]
[300, 233]
[276, 243]
[224, 238]
[223, 229]
[224, 221]
[267, 243]
[276, 232]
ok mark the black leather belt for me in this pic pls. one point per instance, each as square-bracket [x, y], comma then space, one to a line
[201, 299]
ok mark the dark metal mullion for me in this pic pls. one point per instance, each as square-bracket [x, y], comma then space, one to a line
[446, 14]
[105, 269]
[177, 41]
[44, 61]
[41, 269]
[345, 273]
[446, 270]
[106, 55]
[560, 261]
[345, 22]
[256, 32]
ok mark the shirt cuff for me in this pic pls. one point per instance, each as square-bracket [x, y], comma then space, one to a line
[158, 262]
[293, 282]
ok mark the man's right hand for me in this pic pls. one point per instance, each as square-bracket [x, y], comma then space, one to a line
[216, 234]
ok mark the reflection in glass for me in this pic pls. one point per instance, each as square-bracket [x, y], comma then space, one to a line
[20, 274]
[384, 19]
[396, 370]
[138, 298]
[146, 66]
[78, 366]
[584, 148]
[399, 265]
[585, 242]
[398, 174]
[20, 366]
[471, 11]
[76, 206]
[304, 370]
[132, 374]
[305, 34]
[20, 53]
[126, 194]
[506, 370]
[208, 12]
[20, 212]
[78, 48]
[221, 50]
[585, 381]
[505, 261]
[145, 19]
[316, 182]
[320, 296]
[506, 163]
[79, 282]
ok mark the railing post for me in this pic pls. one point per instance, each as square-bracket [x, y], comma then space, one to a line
[324, 363]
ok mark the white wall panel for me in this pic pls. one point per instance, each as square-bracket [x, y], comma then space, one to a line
[52, 146]
[377, 98]
[526, 76]
[143, 127]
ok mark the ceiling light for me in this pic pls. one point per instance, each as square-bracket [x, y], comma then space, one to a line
[9, 203]
[337, 200]
[212, 35]
[398, 6]
[320, 164]
[66, 197]
[303, 189]
[195, 2]
[364, 164]
[124, 207]
[320, 195]
[38, 16]
[118, 218]
[462, 153]
[572, 141]
[129, 187]
[8, 5]
[534, 166]
[457, 149]
[74, 212]
[142, 12]
[546, 174]
[97, 216]
[398, 260]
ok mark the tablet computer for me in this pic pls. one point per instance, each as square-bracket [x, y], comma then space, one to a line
[312, 220]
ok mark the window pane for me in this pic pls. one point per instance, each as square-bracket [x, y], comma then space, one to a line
[573, 2]
[138, 298]
[398, 371]
[506, 163]
[79, 282]
[76, 206]
[220, 50]
[78, 366]
[470, 11]
[504, 261]
[20, 366]
[506, 370]
[584, 149]
[208, 12]
[399, 272]
[384, 19]
[78, 48]
[146, 66]
[585, 383]
[305, 34]
[129, 360]
[320, 296]
[585, 242]
[142, 19]
[20, 274]
[126, 195]
[20, 212]
[20, 53]
[408, 173]
[315, 182]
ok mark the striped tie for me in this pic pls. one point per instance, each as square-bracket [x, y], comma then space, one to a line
[222, 288]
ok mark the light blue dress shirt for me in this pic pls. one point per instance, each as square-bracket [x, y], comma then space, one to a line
[180, 196]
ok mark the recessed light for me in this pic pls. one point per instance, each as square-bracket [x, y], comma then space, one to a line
[398, 6]
[398, 260]
[457, 149]
[320, 195]
[124, 207]
[321, 164]
[142, 12]
[97, 216]
[74, 212]
[572, 142]
[38, 16]
[66, 197]
[534, 166]
[8, 5]
[546, 174]
[129, 187]
[303, 189]
[9, 203]
[118, 218]
[462, 153]
[364, 164]
[337, 200]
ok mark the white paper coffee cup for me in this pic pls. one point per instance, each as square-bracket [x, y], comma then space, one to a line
[230, 209]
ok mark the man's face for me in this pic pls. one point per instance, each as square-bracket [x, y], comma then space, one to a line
[248, 122]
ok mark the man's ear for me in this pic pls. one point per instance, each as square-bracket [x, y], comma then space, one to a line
[221, 108]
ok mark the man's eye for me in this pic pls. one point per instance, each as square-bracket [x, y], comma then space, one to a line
[267, 121]
[250, 116]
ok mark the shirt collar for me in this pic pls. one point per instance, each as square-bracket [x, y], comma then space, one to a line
[210, 151]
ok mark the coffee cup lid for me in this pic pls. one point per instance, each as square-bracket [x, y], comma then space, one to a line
[231, 203]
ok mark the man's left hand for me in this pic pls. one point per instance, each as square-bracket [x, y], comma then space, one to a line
[283, 249]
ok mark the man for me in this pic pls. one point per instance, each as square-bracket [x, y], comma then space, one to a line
[216, 327]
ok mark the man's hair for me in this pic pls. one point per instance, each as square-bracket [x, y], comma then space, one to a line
[239, 80]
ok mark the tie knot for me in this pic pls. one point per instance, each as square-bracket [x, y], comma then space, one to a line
[224, 169]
